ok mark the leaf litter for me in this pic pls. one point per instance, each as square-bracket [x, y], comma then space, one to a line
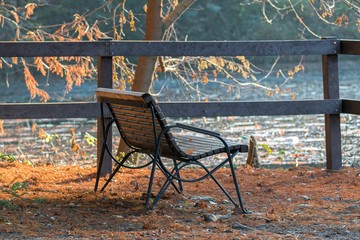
[48, 201]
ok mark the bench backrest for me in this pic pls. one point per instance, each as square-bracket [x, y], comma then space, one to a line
[136, 115]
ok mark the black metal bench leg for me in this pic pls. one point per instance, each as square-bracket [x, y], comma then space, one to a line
[237, 188]
[178, 175]
[241, 206]
[178, 189]
[119, 165]
[111, 177]
[148, 194]
[162, 190]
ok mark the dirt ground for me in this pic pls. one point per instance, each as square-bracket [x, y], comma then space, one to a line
[58, 202]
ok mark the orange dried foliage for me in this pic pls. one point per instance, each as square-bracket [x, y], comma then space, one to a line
[221, 62]
[122, 18]
[96, 32]
[291, 74]
[15, 16]
[61, 30]
[40, 65]
[277, 90]
[244, 62]
[76, 73]
[2, 130]
[205, 78]
[342, 20]
[132, 21]
[194, 76]
[299, 68]
[33, 127]
[74, 146]
[203, 64]
[270, 93]
[2, 20]
[54, 66]
[29, 9]
[32, 86]
[33, 36]
[14, 60]
[42, 134]
[81, 29]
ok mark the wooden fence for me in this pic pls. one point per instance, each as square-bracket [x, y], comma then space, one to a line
[330, 105]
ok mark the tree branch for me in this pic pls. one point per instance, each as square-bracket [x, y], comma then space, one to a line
[176, 13]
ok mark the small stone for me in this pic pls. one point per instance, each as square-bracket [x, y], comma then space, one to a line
[307, 198]
[210, 217]
[224, 217]
[304, 205]
[203, 198]
[239, 226]
[52, 218]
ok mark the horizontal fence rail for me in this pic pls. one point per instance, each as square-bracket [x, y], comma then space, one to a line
[254, 48]
[177, 109]
[351, 47]
[49, 110]
[268, 108]
[153, 48]
[329, 48]
[351, 106]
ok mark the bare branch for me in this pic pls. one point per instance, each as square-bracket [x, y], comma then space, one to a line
[354, 5]
[318, 14]
[177, 12]
[301, 20]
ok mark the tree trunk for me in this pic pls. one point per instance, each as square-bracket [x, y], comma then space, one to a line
[153, 31]
[155, 28]
[146, 65]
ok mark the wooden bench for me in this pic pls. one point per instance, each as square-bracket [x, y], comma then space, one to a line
[143, 127]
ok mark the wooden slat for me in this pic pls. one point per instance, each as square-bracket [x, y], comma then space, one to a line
[134, 119]
[126, 97]
[131, 112]
[146, 133]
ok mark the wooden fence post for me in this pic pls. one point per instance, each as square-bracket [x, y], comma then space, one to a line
[332, 121]
[105, 80]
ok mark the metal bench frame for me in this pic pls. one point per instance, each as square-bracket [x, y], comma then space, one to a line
[143, 127]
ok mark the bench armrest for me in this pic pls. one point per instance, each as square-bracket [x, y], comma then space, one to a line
[199, 130]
